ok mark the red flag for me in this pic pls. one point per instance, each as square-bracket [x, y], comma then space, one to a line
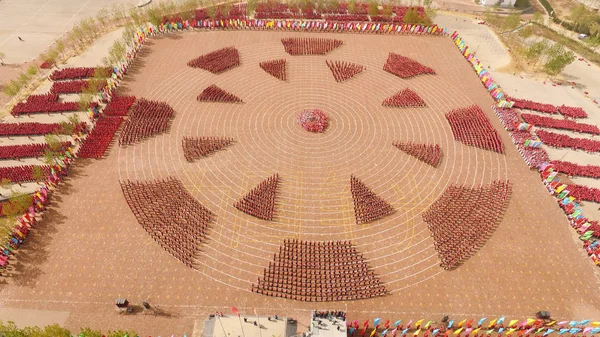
[387, 324]
[235, 311]
[366, 324]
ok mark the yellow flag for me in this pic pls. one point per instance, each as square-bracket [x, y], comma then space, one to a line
[458, 331]
[461, 323]
[475, 331]
[554, 322]
[511, 331]
[417, 332]
[530, 320]
[419, 322]
[492, 323]
[373, 332]
[513, 322]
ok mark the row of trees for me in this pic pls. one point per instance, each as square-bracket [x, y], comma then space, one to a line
[55, 330]
[14, 86]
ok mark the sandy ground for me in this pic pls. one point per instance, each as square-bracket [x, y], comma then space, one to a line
[90, 249]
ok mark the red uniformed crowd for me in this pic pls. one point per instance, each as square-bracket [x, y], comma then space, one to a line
[427, 153]
[404, 67]
[22, 174]
[572, 169]
[533, 156]
[367, 206]
[217, 61]
[275, 68]
[216, 94]
[562, 124]
[26, 150]
[47, 103]
[75, 73]
[313, 120]
[343, 70]
[260, 201]
[194, 147]
[309, 45]
[118, 106]
[560, 140]
[567, 111]
[582, 192]
[318, 272]
[404, 99]
[99, 139]
[463, 218]
[471, 127]
[72, 87]
[172, 217]
[147, 118]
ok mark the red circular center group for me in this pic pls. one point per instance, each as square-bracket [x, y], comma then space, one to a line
[313, 120]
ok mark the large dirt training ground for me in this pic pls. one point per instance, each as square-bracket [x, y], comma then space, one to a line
[90, 249]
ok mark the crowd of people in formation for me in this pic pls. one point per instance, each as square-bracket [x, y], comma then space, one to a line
[404, 67]
[404, 99]
[217, 61]
[28, 129]
[572, 111]
[75, 73]
[118, 106]
[73, 87]
[562, 124]
[531, 105]
[367, 205]
[147, 118]
[560, 140]
[260, 201]
[216, 94]
[319, 271]
[24, 173]
[471, 126]
[427, 153]
[45, 103]
[309, 45]
[343, 70]
[100, 138]
[582, 192]
[573, 169]
[463, 219]
[275, 68]
[313, 120]
[26, 150]
[508, 117]
[533, 156]
[197, 147]
[172, 217]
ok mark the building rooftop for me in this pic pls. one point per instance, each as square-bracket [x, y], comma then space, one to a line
[244, 326]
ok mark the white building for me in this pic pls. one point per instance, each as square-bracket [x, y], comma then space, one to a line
[502, 3]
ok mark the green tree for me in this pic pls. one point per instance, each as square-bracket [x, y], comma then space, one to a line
[538, 18]
[512, 21]
[17, 204]
[351, 6]
[535, 51]
[251, 6]
[526, 32]
[429, 9]
[154, 16]
[558, 59]
[102, 16]
[87, 332]
[32, 70]
[387, 11]
[53, 142]
[37, 174]
[373, 9]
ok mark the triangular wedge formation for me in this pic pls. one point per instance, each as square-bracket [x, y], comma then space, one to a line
[367, 205]
[404, 99]
[147, 118]
[217, 61]
[404, 67]
[319, 272]
[427, 153]
[194, 147]
[310, 45]
[275, 68]
[342, 70]
[463, 218]
[216, 94]
[172, 217]
[471, 126]
[260, 201]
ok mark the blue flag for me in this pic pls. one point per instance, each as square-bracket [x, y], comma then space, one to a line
[351, 330]
[435, 332]
[481, 321]
[548, 332]
[501, 320]
[595, 331]
[376, 321]
[584, 322]
[573, 323]
[397, 322]
[404, 332]
[450, 324]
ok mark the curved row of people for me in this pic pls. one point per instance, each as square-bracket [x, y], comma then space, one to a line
[471, 126]
[319, 271]
[100, 138]
[217, 61]
[463, 218]
[508, 117]
[161, 202]
[147, 118]
[76, 73]
[560, 140]
[561, 124]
